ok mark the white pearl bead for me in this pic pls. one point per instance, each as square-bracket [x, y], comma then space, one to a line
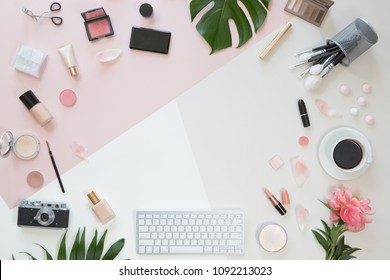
[354, 111]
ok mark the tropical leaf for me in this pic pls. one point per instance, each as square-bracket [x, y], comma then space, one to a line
[62, 250]
[48, 256]
[92, 247]
[99, 247]
[213, 25]
[28, 254]
[81, 249]
[114, 250]
[94, 252]
[75, 247]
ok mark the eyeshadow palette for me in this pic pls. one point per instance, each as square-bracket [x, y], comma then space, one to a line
[313, 11]
[97, 24]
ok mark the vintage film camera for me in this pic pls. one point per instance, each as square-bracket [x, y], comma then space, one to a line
[43, 214]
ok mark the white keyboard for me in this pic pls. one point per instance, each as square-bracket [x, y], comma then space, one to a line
[219, 231]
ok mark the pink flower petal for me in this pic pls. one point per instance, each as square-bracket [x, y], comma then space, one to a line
[300, 170]
[79, 150]
[302, 216]
[108, 55]
[326, 109]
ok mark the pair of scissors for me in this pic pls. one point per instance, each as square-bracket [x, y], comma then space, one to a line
[54, 7]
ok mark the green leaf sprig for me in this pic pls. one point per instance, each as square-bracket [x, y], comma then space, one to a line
[332, 241]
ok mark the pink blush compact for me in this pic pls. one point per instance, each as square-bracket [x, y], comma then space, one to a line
[35, 179]
[97, 24]
[68, 98]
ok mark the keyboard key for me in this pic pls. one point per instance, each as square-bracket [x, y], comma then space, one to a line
[186, 249]
[145, 242]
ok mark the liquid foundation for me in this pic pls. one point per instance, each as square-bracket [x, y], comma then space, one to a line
[101, 208]
[36, 108]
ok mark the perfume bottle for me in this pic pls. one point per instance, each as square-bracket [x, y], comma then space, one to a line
[101, 208]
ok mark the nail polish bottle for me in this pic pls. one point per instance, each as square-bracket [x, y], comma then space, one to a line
[36, 108]
[101, 208]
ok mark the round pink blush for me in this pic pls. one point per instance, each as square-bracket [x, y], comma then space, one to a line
[68, 98]
[303, 141]
[35, 179]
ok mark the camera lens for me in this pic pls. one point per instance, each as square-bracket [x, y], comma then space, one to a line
[45, 216]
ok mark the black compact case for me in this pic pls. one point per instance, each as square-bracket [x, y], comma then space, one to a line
[151, 40]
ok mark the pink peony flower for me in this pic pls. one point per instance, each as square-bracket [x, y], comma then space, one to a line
[350, 209]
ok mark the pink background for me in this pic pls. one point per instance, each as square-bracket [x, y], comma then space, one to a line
[111, 97]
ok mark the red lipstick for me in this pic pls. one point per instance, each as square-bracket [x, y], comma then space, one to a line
[278, 206]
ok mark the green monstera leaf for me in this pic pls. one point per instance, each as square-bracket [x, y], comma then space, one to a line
[214, 24]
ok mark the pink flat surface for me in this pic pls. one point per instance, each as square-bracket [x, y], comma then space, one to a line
[111, 97]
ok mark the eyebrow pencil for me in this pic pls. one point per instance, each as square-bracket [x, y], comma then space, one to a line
[278, 206]
[55, 168]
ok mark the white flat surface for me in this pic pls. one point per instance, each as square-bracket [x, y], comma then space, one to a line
[245, 113]
[149, 167]
[210, 148]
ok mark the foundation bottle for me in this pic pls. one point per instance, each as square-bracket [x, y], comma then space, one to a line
[101, 208]
[36, 108]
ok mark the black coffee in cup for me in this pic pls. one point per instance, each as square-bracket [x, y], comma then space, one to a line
[347, 154]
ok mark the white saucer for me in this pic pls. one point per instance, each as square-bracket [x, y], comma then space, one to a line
[325, 153]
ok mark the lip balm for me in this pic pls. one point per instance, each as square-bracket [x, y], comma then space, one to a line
[36, 108]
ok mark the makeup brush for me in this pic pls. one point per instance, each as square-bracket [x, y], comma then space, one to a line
[317, 68]
[313, 81]
[307, 56]
[55, 167]
[316, 49]
[312, 59]
[332, 64]
[307, 70]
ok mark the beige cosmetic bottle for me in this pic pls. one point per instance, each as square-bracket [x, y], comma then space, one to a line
[101, 208]
[36, 108]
